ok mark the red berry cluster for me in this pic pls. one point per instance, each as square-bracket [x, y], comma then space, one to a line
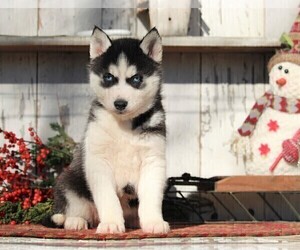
[16, 151]
[21, 169]
[39, 195]
[27, 196]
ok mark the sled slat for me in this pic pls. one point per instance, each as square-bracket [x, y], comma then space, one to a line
[258, 184]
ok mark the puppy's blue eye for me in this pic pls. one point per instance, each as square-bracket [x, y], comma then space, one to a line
[135, 81]
[108, 77]
[108, 80]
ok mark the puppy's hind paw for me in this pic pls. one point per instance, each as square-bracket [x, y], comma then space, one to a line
[75, 223]
[105, 228]
[156, 227]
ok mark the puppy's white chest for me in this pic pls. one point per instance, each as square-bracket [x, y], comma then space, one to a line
[126, 159]
[120, 147]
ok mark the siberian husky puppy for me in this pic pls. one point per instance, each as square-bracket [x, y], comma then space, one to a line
[118, 170]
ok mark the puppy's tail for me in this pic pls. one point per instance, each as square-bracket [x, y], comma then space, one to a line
[54, 221]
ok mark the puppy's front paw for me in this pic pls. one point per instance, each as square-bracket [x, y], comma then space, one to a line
[75, 223]
[156, 227]
[104, 228]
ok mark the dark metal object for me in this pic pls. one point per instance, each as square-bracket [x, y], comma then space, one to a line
[186, 179]
[184, 204]
[181, 204]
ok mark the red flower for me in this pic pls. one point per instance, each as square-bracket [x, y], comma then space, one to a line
[264, 149]
[273, 126]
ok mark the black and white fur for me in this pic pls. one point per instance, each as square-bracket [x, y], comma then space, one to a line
[122, 155]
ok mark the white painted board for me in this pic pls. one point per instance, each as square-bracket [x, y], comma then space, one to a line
[231, 85]
[280, 16]
[67, 21]
[64, 94]
[231, 18]
[18, 92]
[16, 21]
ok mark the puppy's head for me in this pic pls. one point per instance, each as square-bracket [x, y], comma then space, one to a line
[125, 74]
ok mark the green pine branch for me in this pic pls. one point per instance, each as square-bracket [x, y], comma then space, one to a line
[13, 211]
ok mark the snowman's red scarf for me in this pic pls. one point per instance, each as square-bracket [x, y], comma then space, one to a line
[268, 100]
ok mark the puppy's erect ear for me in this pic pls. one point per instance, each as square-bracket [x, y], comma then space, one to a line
[100, 42]
[151, 45]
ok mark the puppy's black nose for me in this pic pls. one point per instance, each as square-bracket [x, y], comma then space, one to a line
[120, 104]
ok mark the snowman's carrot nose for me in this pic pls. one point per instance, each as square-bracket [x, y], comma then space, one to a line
[281, 82]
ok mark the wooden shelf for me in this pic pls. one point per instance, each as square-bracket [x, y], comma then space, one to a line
[216, 44]
[171, 44]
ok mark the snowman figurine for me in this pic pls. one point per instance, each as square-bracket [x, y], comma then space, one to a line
[269, 139]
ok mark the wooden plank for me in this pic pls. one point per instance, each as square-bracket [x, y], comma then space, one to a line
[231, 18]
[18, 96]
[227, 94]
[230, 42]
[252, 183]
[182, 103]
[280, 16]
[171, 44]
[118, 14]
[64, 95]
[66, 21]
[16, 21]
[168, 18]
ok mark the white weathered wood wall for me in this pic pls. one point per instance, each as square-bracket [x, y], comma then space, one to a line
[207, 95]
[218, 18]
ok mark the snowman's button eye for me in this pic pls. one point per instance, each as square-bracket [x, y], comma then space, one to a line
[280, 67]
[286, 71]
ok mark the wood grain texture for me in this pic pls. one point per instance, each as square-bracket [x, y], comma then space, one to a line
[66, 21]
[18, 92]
[280, 16]
[168, 18]
[64, 93]
[182, 103]
[227, 94]
[19, 21]
[258, 184]
[170, 44]
[118, 14]
[225, 18]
